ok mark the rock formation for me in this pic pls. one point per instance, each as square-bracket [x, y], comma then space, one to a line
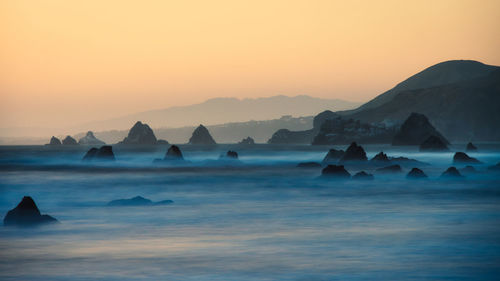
[105, 153]
[173, 153]
[90, 139]
[162, 142]
[451, 173]
[461, 157]
[333, 156]
[354, 153]
[247, 141]
[468, 170]
[433, 143]
[415, 130]
[54, 141]
[334, 171]
[390, 169]
[381, 157]
[362, 176]
[309, 165]
[201, 136]
[137, 201]
[470, 147]
[26, 213]
[69, 141]
[416, 173]
[140, 134]
[230, 154]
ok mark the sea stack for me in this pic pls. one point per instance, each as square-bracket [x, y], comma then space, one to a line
[354, 153]
[461, 157]
[69, 141]
[336, 172]
[333, 156]
[26, 213]
[230, 154]
[416, 173]
[451, 173]
[105, 153]
[90, 139]
[247, 141]
[362, 176]
[415, 130]
[433, 143]
[54, 141]
[470, 147]
[380, 158]
[201, 136]
[140, 134]
[173, 153]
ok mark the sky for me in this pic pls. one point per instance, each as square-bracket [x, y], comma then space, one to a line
[67, 62]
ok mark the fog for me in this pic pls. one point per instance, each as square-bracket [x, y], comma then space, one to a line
[260, 218]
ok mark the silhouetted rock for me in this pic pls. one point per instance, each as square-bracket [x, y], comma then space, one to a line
[232, 154]
[201, 136]
[309, 165]
[381, 157]
[247, 141]
[404, 161]
[90, 139]
[461, 157]
[470, 147]
[468, 170]
[433, 143]
[362, 176]
[162, 142]
[137, 201]
[334, 171]
[415, 130]
[451, 172]
[416, 173]
[354, 153]
[173, 153]
[333, 156]
[285, 136]
[105, 153]
[140, 134]
[390, 169]
[26, 213]
[69, 141]
[54, 141]
[495, 167]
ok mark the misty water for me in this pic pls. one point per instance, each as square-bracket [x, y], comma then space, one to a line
[258, 219]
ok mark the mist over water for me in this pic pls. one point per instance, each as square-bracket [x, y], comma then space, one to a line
[258, 219]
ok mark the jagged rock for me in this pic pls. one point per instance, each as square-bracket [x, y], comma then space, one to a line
[137, 201]
[362, 176]
[461, 157]
[451, 172]
[105, 153]
[495, 167]
[173, 153]
[26, 213]
[201, 136]
[333, 156]
[334, 171]
[381, 157]
[69, 141]
[54, 141]
[468, 170]
[309, 165]
[433, 143]
[354, 153]
[90, 139]
[247, 141]
[416, 173]
[470, 147]
[390, 169]
[415, 130]
[232, 154]
[162, 142]
[403, 161]
[140, 134]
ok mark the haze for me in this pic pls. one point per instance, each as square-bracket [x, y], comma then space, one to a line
[65, 62]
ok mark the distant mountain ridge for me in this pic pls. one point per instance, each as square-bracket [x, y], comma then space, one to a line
[224, 110]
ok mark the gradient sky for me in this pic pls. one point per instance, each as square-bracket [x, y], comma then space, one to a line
[66, 62]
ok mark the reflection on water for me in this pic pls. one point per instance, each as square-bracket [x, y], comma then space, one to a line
[262, 220]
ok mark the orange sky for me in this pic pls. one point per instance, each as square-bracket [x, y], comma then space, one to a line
[66, 62]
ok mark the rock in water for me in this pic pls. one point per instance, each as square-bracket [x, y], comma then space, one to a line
[54, 141]
[140, 134]
[468, 170]
[308, 165]
[333, 156]
[362, 176]
[416, 173]
[461, 157]
[381, 157]
[415, 130]
[201, 136]
[247, 141]
[354, 153]
[433, 143]
[390, 169]
[69, 141]
[173, 153]
[451, 173]
[26, 214]
[162, 142]
[470, 147]
[136, 201]
[105, 153]
[90, 139]
[231, 154]
[334, 171]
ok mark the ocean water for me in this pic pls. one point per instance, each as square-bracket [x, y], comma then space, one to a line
[260, 219]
